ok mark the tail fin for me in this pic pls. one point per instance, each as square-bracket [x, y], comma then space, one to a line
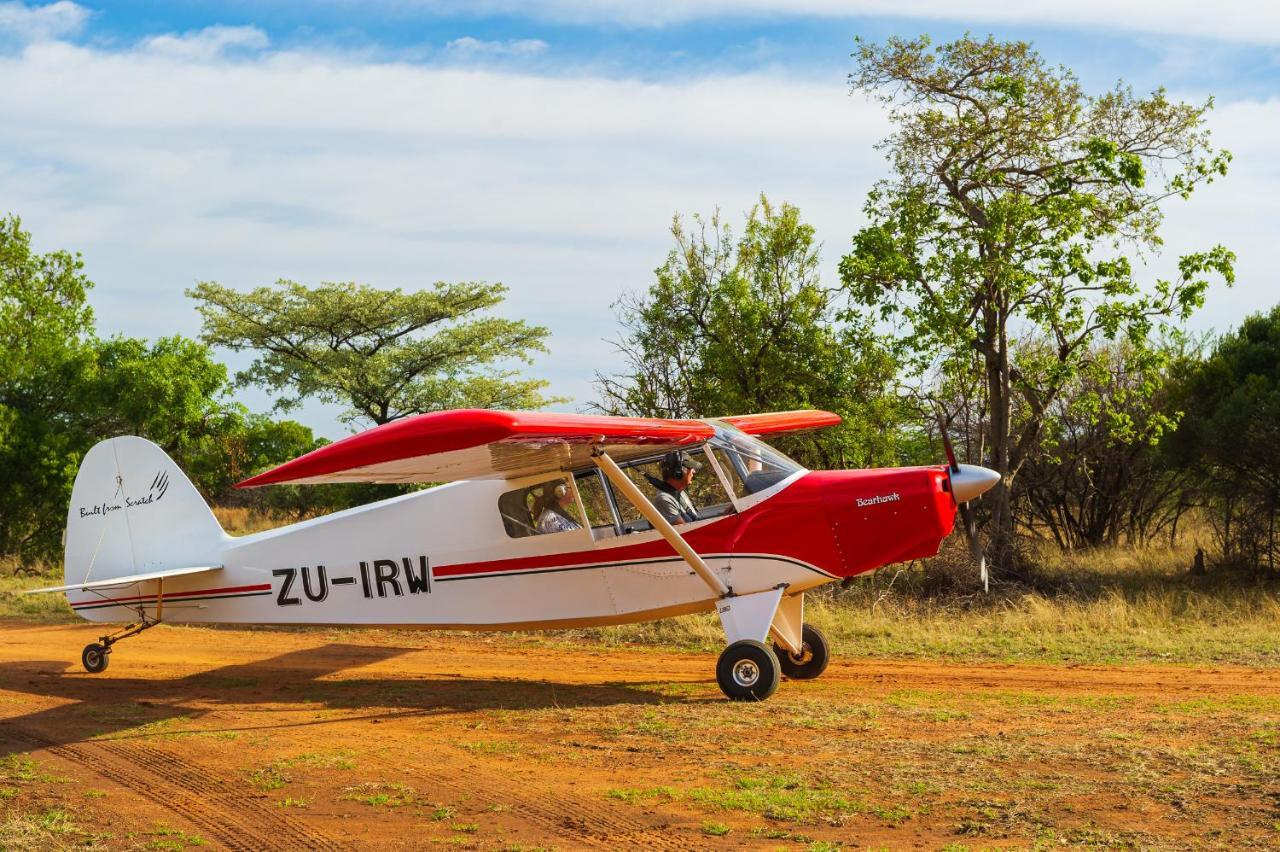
[132, 511]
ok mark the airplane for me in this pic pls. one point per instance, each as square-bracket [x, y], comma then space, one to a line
[544, 520]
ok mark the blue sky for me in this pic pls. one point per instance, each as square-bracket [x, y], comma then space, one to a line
[546, 146]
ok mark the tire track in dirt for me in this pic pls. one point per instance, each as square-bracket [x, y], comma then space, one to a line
[227, 815]
[575, 818]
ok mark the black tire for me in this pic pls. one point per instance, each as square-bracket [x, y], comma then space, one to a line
[748, 671]
[94, 658]
[811, 662]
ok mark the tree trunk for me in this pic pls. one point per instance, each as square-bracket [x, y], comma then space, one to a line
[996, 356]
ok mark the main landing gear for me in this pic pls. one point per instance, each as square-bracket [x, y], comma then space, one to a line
[812, 659]
[750, 671]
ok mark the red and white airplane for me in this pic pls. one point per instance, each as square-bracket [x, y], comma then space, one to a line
[546, 521]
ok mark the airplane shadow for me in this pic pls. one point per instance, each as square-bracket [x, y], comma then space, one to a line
[279, 687]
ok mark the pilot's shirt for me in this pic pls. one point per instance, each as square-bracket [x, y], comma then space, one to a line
[551, 521]
[672, 503]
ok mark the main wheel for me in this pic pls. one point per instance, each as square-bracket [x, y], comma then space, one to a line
[812, 659]
[94, 657]
[748, 671]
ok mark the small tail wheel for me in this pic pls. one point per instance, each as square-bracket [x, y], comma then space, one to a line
[748, 671]
[812, 660]
[94, 657]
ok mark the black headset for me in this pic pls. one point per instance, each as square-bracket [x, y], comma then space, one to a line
[673, 466]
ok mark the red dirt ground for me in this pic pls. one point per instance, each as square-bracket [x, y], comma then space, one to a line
[321, 739]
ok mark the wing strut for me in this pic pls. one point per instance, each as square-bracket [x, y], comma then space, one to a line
[661, 524]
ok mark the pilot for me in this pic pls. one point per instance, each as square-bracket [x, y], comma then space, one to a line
[554, 516]
[672, 500]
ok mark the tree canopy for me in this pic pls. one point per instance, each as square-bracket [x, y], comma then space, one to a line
[1229, 436]
[383, 354]
[743, 325]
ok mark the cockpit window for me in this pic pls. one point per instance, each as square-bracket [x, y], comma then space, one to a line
[750, 465]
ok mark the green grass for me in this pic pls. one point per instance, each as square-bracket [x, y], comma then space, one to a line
[785, 796]
[381, 795]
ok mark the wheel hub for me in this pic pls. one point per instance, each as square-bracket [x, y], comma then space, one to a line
[746, 673]
[805, 655]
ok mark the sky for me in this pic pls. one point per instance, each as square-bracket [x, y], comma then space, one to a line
[542, 145]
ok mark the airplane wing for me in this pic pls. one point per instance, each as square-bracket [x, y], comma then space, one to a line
[476, 443]
[126, 580]
[773, 422]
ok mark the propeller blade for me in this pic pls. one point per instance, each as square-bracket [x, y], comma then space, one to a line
[975, 549]
[946, 444]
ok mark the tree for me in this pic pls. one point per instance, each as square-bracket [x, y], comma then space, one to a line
[1097, 475]
[1229, 436]
[1014, 203]
[46, 325]
[741, 326]
[384, 354]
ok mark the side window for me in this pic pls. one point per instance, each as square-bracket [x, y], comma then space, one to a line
[734, 470]
[643, 474]
[705, 491]
[595, 499]
[547, 507]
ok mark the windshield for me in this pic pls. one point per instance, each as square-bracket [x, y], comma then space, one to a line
[750, 464]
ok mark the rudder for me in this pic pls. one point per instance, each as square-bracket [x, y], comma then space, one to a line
[133, 510]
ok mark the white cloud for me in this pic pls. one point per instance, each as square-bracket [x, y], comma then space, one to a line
[206, 44]
[41, 23]
[1236, 20]
[165, 168]
[473, 47]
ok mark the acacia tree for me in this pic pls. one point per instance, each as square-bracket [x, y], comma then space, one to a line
[740, 325]
[384, 354]
[1015, 201]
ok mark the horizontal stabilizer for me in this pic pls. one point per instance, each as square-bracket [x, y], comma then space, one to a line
[127, 579]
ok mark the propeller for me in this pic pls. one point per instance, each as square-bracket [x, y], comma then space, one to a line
[968, 482]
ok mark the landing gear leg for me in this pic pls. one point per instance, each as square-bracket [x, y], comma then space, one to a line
[812, 658]
[801, 648]
[96, 655]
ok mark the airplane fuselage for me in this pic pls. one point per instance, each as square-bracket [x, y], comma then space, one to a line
[441, 558]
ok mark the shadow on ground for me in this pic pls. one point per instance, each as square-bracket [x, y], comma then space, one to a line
[292, 684]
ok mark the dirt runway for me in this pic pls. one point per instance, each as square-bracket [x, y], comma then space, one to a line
[325, 739]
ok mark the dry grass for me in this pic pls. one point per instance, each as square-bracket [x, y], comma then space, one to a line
[241, 520]
[1104, 606]
[1117, 605]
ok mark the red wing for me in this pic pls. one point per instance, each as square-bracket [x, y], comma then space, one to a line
[475, 443]
[773, 422]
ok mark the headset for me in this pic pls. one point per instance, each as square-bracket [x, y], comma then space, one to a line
[673, 466]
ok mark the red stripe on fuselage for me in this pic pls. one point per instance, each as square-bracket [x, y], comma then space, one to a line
[792, 524]
[258, 588]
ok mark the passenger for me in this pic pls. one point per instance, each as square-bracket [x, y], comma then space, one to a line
[554, 515]
[672, 500]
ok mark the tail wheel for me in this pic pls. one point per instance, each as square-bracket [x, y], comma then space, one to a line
[748, 671]
[94, 657]
[812, 660]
